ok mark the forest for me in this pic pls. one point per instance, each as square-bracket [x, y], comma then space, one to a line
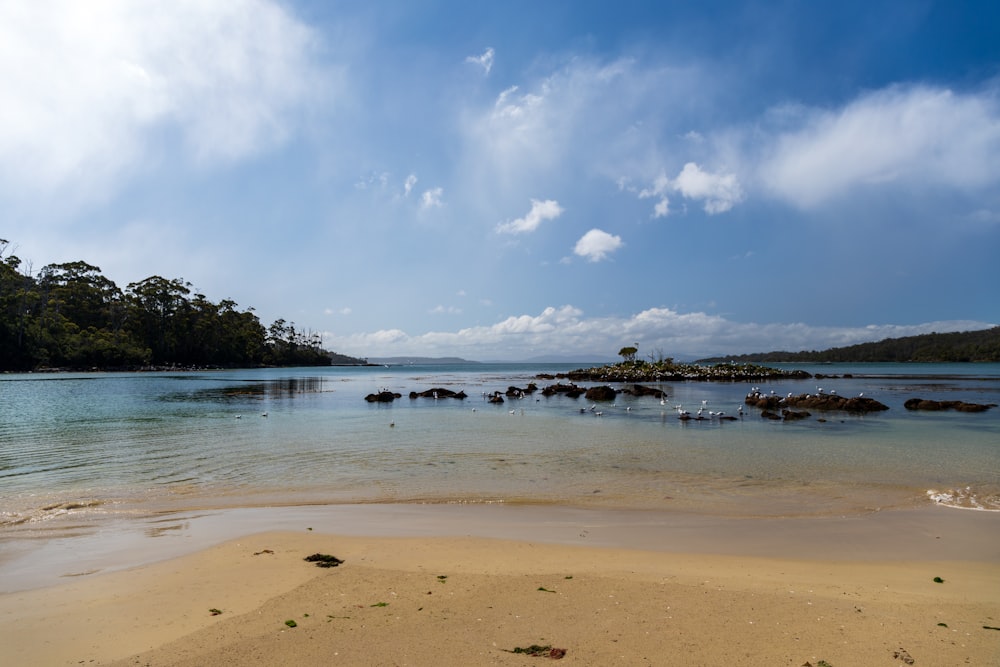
[70, 316]
[982, 346]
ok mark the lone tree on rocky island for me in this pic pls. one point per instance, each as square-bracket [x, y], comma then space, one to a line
[628, 353]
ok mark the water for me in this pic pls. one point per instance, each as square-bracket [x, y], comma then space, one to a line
[79, 449]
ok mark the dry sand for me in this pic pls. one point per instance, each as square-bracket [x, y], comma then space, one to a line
[474, 600]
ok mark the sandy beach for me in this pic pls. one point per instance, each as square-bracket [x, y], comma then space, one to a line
[468, 599]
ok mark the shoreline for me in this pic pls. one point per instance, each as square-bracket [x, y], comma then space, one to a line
[927, 532]
[458, 585]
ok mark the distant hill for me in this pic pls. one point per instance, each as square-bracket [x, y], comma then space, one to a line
[982, 346]
[337, 359]
[420, 361]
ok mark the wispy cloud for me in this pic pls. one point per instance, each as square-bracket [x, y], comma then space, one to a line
[445, 310]
[485, 60]
[540, 212]
[90, 89]
[432, 198]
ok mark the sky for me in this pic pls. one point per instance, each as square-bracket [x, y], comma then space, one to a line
[517, 180]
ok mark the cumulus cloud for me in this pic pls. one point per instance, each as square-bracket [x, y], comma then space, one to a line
[432, 198]
[539, 213]
[915, 136]
[719, 192]
[596, 244]
[685, 336]
[485, 60]
[90, 87]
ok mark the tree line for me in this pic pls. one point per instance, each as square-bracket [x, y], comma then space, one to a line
[981, 346]
[71, 316]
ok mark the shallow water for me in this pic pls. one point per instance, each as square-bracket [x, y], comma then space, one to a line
[78, 449]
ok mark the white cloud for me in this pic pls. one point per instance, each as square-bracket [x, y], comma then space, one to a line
[720, 192]
[685, 336]
[916, 136]
[596, 244]
[432, 198]
[90, 88]
[485, 60]
[540, 212]
[411, 181]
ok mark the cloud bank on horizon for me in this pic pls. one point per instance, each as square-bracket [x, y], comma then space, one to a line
[530, 179]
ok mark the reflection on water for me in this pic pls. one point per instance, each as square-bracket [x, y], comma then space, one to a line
[278, 388]
[76, 448]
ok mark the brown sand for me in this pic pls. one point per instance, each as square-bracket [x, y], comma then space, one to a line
[474, 600]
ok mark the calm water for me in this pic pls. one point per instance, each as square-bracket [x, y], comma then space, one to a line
[76, 448]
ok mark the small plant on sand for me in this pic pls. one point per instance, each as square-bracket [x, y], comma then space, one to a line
[214, 612]
[442, 578]
[381, 604]
[545, 590]
[292, 624]
[540, 651]
[938, 580]
[324, 560]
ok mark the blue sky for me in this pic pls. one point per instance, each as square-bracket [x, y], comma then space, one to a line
[518, 179]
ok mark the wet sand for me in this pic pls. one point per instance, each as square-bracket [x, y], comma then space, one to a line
[460, 585]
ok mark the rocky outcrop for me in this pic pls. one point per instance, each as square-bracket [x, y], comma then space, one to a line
[818, 401]
[438, 392]
[960, 406]
[570, 390]
[601, 393]
[383, 396]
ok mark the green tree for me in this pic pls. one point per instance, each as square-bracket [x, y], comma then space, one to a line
[159, 312]
[628, 353]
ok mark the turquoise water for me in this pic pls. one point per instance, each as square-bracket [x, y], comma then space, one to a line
[79, 448]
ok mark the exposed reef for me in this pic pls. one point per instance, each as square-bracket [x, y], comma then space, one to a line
[438, 392]
[817, 401]
[960, 406]
[384, 396]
